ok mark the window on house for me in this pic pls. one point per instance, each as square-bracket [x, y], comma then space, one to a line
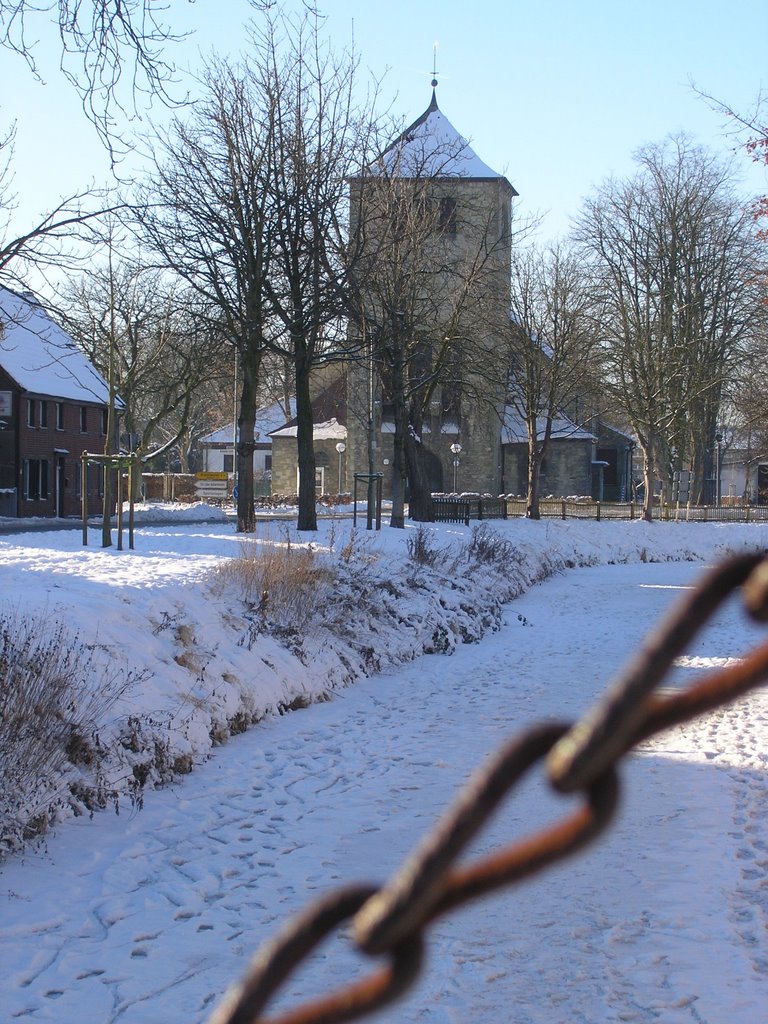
[420, 362]
[229, 463]
[319, 480]
[43, 414]
[35, 479]
[447, 216]
[451, 401]
[267, 463]
[83, 419]
[104, 415]
[59, 415]
[94, 479]
[31, 418]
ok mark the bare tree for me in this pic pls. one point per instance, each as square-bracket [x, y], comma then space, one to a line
[206, 214]
[246, 204]
[552, 337]
[62, 237]
[142, 332]
[318, 136]
[674, 254]
[112, 51]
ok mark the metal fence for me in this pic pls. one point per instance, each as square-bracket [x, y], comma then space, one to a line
[462, 509]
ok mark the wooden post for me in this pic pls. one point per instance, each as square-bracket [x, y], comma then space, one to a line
[119, 489]
[131, 517]
[84, 495]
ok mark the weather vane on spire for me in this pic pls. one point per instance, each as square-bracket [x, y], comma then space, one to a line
[434, 65]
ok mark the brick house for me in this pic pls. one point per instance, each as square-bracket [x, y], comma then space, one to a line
[53, 407]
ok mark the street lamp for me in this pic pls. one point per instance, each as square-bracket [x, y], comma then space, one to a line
[718, 455]
[340, 448]
[456, 449]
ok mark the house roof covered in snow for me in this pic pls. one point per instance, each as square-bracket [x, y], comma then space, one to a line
[329, 415]
[515, 431]
[431, 147]
[330, 430]
[40, 357]
[268, 418]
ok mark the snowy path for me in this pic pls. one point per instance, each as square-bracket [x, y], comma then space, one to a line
[148, 917]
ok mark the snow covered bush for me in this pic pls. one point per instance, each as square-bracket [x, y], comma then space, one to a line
[487, 547]
[421, 547]
[52, 697]
[282, 582]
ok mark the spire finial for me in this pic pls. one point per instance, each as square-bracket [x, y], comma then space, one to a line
[433, 104]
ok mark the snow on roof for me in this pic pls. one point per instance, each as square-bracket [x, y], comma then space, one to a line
[41, 357]
[328, 431]
[514, 429]
[431, 147]
[268, 418]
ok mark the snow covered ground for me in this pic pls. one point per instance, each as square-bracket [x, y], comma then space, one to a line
[148, 916]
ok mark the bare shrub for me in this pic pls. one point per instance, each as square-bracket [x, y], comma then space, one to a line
[280, 581]
[49, 712]
[487, 547]
[421, 547]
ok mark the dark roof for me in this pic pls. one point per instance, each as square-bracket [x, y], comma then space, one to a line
[328, 405]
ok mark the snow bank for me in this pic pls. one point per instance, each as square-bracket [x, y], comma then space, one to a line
[204, 662]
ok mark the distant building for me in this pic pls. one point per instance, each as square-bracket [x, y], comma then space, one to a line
[468, 443]
[472, 211]
[53, 407]
[329, 417]
[580, 462]
[218, 447]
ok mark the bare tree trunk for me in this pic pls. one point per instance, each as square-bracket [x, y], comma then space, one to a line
[535, 458]
[306, 450]
[246, 518]
[648, 479]
[420, 505]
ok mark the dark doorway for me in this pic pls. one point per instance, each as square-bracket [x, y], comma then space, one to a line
[61, 483]
[611, 487]
[762, 485]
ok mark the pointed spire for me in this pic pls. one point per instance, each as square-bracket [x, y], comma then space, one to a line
[433, 104]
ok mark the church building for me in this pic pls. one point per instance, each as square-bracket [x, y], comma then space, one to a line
[431, 241]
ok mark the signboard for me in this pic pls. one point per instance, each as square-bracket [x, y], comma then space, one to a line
[6, 403]
[681, 485]
[211, 485]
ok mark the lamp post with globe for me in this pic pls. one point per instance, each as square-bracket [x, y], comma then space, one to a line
[456, 449]
[340, 448]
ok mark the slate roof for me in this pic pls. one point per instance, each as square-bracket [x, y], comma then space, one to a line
[40, 357]
[514, 430]
[431, 147]
[268, 419]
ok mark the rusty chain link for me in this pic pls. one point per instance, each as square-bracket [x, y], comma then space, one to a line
[391, 920]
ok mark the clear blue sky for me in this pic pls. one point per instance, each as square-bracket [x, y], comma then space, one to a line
[557, 95]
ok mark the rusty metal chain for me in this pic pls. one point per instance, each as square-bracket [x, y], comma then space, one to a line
[391, 920]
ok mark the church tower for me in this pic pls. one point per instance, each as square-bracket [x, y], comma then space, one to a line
[430, 224]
